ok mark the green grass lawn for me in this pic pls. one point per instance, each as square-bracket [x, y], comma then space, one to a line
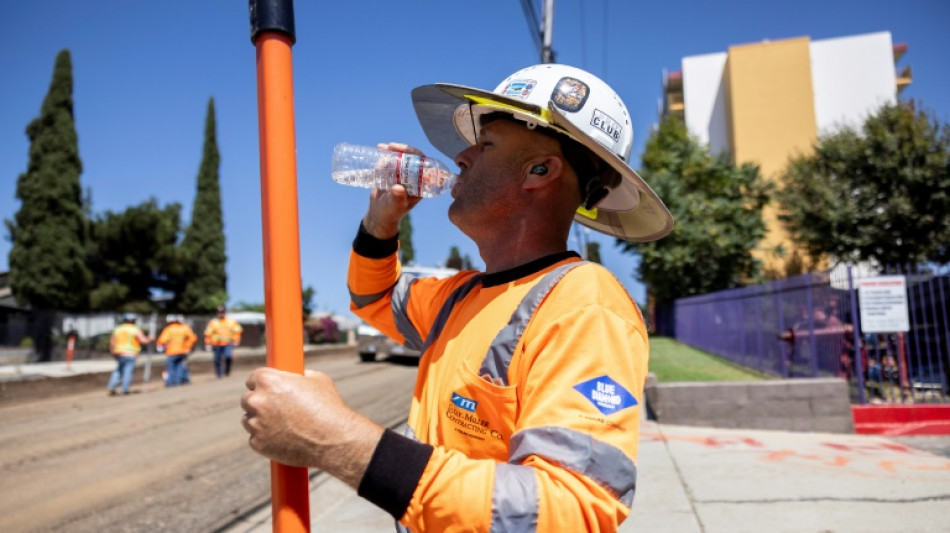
[673, 361]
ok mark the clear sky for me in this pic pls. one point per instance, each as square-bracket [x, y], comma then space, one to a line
[144, 71]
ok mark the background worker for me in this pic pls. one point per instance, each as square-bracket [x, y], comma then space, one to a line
[126, 342]
[176, 340]
[525, 414]
[222, 335]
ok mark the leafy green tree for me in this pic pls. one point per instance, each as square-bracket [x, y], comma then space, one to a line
[406, 253]
[455, 259]
[47, 256]
[717, 208]
[251, 307]
[467, 263]
[203, 251]
[134, 254]
[879, 194]
[306, 299]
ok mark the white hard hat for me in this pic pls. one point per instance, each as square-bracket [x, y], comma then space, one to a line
[172, 318]
[572, 102]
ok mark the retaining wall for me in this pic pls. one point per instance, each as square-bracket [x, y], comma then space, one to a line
[819, 404]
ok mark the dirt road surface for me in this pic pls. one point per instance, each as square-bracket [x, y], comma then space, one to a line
[159, 459]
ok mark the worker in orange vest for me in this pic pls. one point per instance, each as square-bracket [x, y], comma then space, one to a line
[222, 335]
[126, 343]
[176, 340]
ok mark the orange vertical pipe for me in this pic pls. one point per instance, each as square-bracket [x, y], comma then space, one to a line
[282, 286]
[70, 347]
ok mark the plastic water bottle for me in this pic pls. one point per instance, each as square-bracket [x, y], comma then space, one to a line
[370, 167]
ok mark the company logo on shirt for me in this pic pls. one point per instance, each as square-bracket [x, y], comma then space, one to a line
[607, 395]
[464, 403]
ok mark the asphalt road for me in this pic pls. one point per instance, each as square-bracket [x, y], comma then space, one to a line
[159, 459]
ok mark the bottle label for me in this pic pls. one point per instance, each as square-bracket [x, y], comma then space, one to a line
[409, 169]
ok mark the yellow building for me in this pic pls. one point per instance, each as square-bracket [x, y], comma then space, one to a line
[766, 102]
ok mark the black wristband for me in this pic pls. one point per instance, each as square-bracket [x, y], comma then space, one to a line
[393, 472]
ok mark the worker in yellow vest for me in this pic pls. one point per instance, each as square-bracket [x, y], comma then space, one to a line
[126, 343]
[176, 340]
[222, 335]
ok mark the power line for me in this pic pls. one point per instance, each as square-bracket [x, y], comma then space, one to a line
[583, 36]
[534, 22]
[606, 40]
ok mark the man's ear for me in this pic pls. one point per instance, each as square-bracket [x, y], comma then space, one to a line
[540, 172]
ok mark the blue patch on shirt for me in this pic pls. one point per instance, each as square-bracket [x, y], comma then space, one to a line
[607, 395]
[464, 403]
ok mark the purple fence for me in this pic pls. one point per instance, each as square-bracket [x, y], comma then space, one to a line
[810, 326]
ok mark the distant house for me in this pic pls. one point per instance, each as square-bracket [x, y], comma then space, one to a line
[15, 319]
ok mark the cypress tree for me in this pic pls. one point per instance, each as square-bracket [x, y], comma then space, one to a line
[593, 252]
[205, 284]
[47, 267]
[406, 253]
[455, 259]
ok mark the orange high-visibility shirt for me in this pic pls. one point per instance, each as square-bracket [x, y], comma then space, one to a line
[223, 331]
[125, 340]
[177, 339]
[543, 438]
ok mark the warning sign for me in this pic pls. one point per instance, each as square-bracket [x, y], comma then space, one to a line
[883, 304]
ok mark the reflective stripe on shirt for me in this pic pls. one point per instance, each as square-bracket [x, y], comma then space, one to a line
[502, 349]
[581, 453]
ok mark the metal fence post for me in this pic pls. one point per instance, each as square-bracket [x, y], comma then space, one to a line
[856, 328]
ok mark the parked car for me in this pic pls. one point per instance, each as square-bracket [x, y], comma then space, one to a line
[374, 346]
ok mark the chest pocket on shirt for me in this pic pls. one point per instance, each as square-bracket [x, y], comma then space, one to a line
[478, 418]
[480, 415]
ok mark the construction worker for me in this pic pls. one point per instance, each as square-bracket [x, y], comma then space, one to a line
[126, 343]
[176, 340]
[222, 335]
[525, 414]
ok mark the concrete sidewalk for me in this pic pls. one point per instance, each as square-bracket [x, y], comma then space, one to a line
[708, 480]
[60, 369]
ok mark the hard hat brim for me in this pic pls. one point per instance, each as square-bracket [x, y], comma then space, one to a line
[632, 211]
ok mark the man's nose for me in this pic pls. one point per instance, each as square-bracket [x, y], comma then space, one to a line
[464, 158]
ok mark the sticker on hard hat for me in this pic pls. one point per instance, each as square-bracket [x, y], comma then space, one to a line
[606, 124]
[607, 395]
[570, 94]
[519, 88]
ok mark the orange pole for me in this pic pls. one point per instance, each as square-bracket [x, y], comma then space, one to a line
[71, 346]
[282, 285]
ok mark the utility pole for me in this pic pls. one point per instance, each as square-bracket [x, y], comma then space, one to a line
[547, 31]
[541, 28]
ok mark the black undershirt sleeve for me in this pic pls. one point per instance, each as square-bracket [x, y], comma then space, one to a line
[368, 246]
[394, 472]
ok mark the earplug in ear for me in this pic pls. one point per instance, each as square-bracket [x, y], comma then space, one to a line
[540, 170]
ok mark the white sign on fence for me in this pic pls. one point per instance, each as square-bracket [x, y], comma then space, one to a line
[883, 304]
